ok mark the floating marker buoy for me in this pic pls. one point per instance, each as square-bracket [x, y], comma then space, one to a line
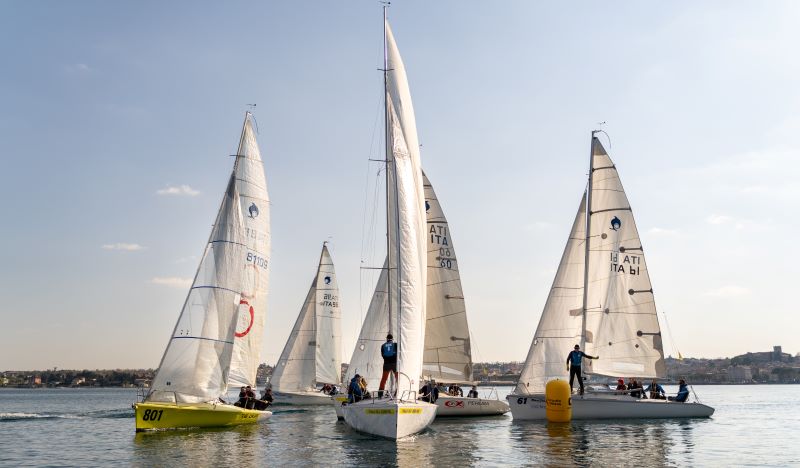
[558, 405]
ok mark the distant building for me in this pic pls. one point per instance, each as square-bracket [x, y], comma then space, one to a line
[738, 374]
[777, 353]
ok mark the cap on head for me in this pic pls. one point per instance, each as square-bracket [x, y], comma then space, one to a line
[389, 336]
[577, 347]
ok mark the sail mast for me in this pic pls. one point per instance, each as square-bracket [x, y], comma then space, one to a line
[588, 238]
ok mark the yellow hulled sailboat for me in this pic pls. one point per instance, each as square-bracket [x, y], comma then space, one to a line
[216, 341]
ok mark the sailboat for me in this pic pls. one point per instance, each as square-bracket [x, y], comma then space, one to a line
[447, 355]
[217, 338]
[448, 351]
[601, 299]
[312, 355]
[405, 270]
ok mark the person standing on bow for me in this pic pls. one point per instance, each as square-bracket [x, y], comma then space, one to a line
[389, 354]
[574, 360]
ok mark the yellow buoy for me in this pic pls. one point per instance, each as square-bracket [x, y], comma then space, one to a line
[558, 406]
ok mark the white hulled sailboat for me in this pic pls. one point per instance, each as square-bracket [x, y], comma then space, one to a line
[217, 339]
[602, 299]
[312, 355]
[401, 414]
[448, 351]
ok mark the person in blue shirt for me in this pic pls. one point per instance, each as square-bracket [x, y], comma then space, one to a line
[683, 392]
[389, 354]
[574, 360]
[656, 391]
[354, 392]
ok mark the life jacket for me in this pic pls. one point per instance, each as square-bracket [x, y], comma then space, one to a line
[389, 350]
[576, 357]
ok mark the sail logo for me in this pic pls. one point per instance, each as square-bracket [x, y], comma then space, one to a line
[329, 300]
[616, 223]
[252, 316]
[627, 264]
[327, 280]
[253, 211]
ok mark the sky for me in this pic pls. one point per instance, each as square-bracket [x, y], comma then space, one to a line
[118, 119]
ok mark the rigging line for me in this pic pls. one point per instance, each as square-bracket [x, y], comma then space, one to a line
[364, 213]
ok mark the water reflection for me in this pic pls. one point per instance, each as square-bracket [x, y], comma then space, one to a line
[236, 446]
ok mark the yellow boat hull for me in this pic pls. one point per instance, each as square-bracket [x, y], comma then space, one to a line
[151, 416]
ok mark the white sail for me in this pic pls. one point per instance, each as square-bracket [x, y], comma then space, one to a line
[621, 322]
[295, 370]
[366, 360]
[407, 247]
[447, 355]
[561, 321]
[196, 363]
[328, 318]
[312, 352]
[252, 187]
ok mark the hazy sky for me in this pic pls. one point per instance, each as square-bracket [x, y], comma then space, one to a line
[118, 118]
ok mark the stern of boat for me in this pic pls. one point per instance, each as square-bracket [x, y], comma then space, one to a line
[389, 418]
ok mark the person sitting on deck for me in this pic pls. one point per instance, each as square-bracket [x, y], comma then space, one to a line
[473, 393]
[426, 392]
[354, 393]
[389, 355]
[251, 397]
[656, 391]
[636, 389]
[683, 392]
[362, 382]
[242, 402]
[266, 399]
[621, 387]
[459, 391]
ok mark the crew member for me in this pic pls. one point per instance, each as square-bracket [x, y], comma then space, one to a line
[389, 354]
[574, 360]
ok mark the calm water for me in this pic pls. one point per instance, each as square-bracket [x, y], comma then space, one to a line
[753, 425]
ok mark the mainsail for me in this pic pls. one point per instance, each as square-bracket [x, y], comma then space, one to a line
[616, 317]
[406, 214]
[621, 321]
[196, 363]
[447, 356]
[312, 352]
[404, 275]
[252, 187]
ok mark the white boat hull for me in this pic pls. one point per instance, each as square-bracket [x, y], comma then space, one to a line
[389, 419]
[532, 407]
[337, 404]
[450, 406]
[301, 398]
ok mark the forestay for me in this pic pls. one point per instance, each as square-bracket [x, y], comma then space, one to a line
[447, 355]
[195, 364]
[252, 187]
[621, 322]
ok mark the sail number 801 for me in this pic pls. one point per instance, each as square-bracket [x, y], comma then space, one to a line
[152, 415]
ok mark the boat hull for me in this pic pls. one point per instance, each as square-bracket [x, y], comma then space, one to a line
[152, 416]
[532, 407]
[301, 398]
[389, 419]
[337, 401]
[450, 406]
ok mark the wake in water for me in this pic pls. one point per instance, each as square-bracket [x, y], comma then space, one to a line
[103, 414]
